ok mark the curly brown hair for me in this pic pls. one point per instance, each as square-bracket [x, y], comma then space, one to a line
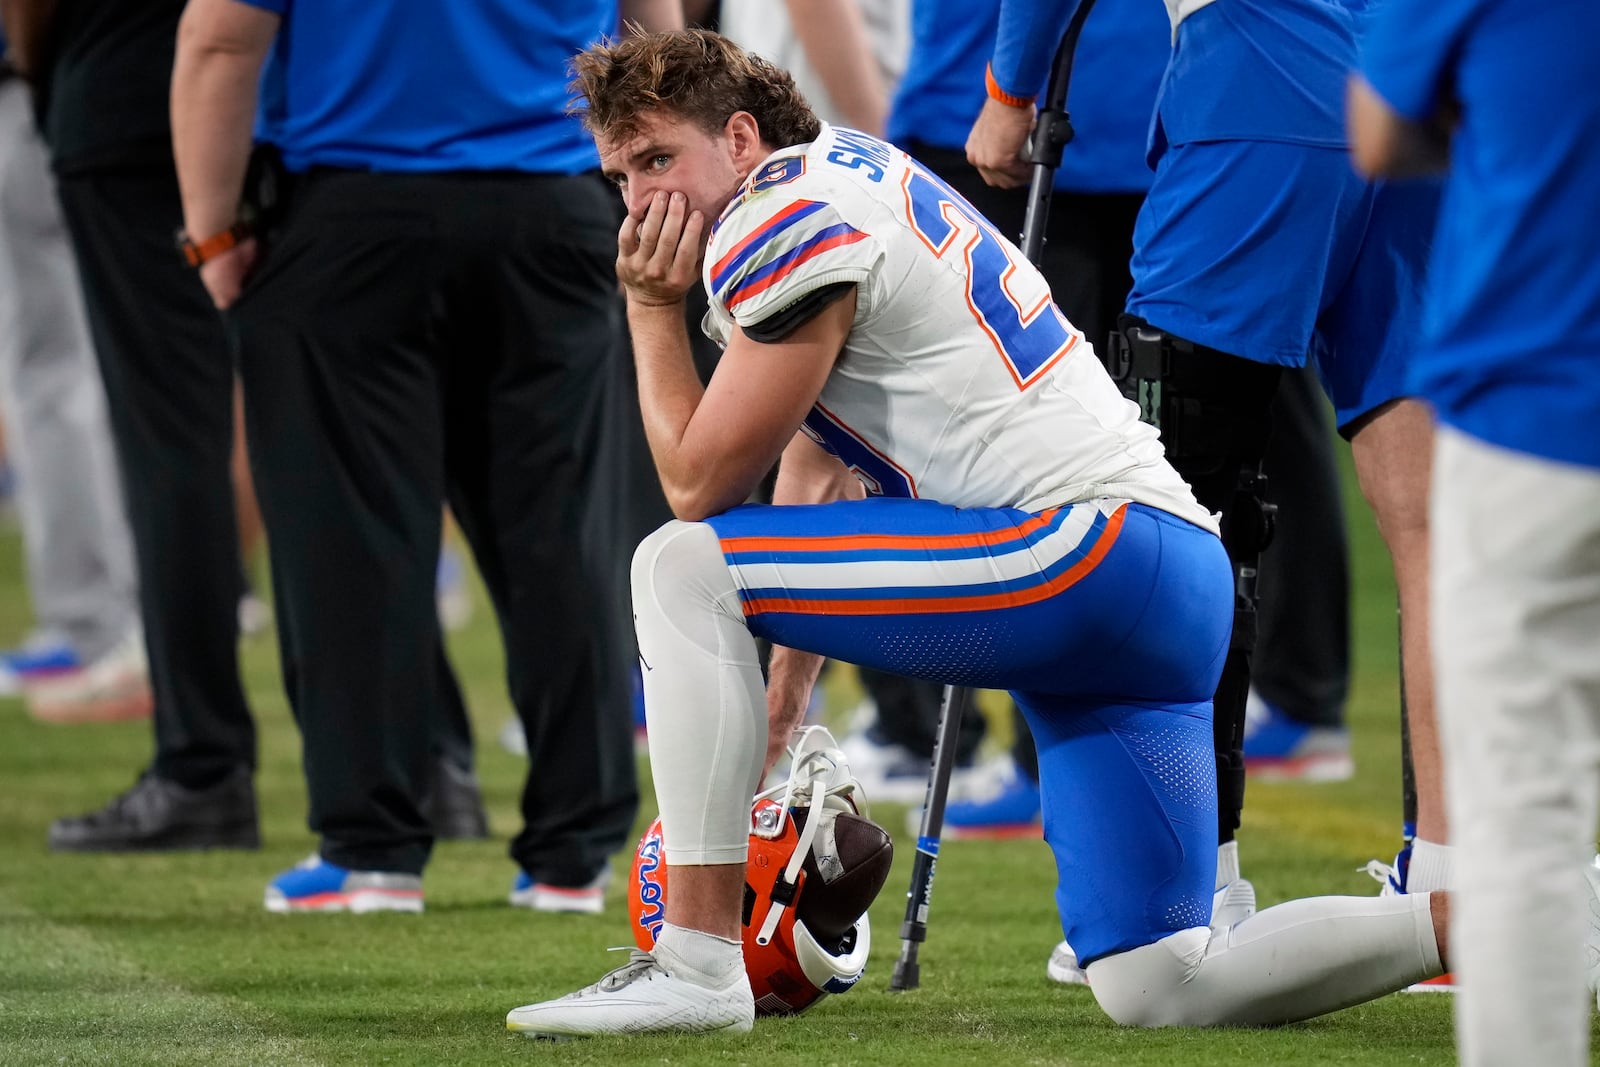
[699, 75]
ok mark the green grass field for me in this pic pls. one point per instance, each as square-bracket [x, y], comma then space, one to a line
[170, 959]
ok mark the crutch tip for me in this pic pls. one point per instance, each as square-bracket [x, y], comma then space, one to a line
[906, 976]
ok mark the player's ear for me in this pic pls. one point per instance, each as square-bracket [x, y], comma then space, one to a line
[744, 138]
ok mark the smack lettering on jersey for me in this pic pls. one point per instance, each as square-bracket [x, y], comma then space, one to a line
[855, 150]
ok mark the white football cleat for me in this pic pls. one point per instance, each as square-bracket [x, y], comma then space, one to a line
[1233, 904]
[1233, 898]
[1063, 966]
[640, 997]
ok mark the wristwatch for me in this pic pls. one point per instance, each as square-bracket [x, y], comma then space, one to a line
[197, 252]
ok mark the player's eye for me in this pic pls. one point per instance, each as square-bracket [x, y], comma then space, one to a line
[660, 162]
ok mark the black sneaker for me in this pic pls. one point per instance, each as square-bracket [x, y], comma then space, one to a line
[160, 815]
[453, 803]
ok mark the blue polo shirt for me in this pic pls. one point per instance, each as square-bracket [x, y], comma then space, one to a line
[429, 85]
[1513, 317]
[1116, 70]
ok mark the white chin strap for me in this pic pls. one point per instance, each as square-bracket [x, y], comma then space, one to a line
[797, 859]
[819, 779]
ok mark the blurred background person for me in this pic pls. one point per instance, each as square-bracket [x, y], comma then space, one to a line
[845, 55]
[85, 659]
[430, 317]
[100, 68]
[1504, 95]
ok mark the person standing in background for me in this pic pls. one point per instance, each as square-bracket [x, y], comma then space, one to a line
[429, 319]
[1503, 95]
[845, 55]
[100, 68]
[85, 660]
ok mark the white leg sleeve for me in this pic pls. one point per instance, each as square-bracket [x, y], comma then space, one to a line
[705, 705]
[1300, 959]
[1516, 595]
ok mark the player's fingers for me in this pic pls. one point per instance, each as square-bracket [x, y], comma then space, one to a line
[687, 260]
[650, 226]
[628, 236]
[671, 230]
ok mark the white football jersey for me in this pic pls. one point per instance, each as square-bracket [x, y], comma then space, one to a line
[960, 380]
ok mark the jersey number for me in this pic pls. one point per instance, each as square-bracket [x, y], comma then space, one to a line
[1029, 339]
[877, 473]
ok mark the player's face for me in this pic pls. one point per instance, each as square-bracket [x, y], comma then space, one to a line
[673, 155]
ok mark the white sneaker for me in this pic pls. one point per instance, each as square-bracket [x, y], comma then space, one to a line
[1233, 904]
[1233, 898]
[513, 738]
[640, 997]
[1063, 966]
[589, 899]
[255, 616]
[887, 772]
[113, 688]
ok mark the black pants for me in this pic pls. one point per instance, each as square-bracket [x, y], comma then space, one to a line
[412, 338]
[169, 387]
[1302, 657]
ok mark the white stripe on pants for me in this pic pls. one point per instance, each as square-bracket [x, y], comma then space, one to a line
[1516, 648]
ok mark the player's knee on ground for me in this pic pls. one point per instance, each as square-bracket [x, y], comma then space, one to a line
[1294, 961]
[1145, 986]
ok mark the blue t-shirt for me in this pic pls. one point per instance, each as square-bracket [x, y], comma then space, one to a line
[1240, 70]
[429, 85]
[1116, 69]
[1513, 317]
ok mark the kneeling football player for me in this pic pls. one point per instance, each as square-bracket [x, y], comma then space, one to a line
[1020, 530]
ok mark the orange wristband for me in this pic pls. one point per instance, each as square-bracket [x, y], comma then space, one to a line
[999, 94]
[197, 252]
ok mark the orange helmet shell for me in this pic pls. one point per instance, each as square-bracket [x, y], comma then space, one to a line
[777, 969]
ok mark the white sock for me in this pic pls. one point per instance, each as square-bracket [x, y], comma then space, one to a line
[1432, 867]
[697, 956]
[1227, 864]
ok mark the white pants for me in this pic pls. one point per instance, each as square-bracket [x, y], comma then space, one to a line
[1516, 650]
[69, 494]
